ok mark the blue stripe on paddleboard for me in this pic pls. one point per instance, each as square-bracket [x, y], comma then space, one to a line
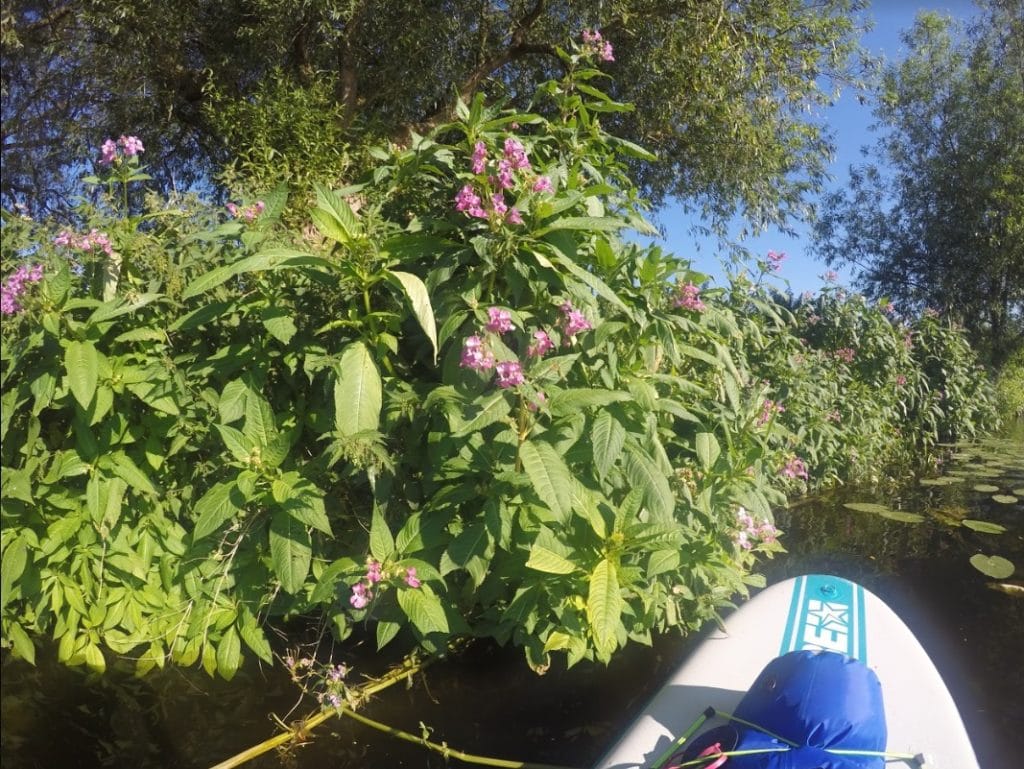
[789, 635]
[862, 629]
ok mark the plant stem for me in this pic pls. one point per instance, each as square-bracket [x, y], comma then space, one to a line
[444, 750]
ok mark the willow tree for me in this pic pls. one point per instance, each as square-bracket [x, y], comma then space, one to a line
[725, 91]
[936, 218]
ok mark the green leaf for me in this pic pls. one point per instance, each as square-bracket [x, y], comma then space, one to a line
[985, 527]
[568, 402]
[866, 507]
[239, 445]
[259, 427]
[386, 631]
[993, 566]
[113, 309]
[423, 609]
[358, 391]
[229, 654]
[232, 401]
[604, 607]
[270, 259]
[82, 363]
[291, 551]
[644, 475]
[493, 409]
[548, 561]
[279, 323]
[218, 505]
[548, 475]
[708, 450]
[1004, 499]
[585, 223]
[593, 282]
[12, 566]
[21, 643]
[382, 542]
[129, 472]
[342, 223]
[419, 299]
[607, 437]
[253, 635]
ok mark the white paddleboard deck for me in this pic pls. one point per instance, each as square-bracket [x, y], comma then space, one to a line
[809, 612]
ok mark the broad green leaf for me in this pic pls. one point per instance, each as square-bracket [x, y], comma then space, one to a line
[157, 395]
[259, 424]
[1004, 499]
[548, 475]
[82, 363]
[985, 487]
[604, 607]
[662, 561]
[238, 444]
[984, 527]
[419, 299]
[592, 282]
[994, 566]
[21, 643]
[358, 392]
[607, 437]
[339, 212]
[493, 409]
[382, 542]
[12, 566]
[215, 508]
[308, 507]
[232, 401]
[902, 516]
[386, 631]
[279, 323]
[229, 654]
[113, 309]
[708, 450]
[644, 475]
[253, 635]
[130, 473]
[585, 223]
[94, 658]
[291, 551]
[270, 259]
[548, 561]
[866, 507]
[423, 608]
[568, 402]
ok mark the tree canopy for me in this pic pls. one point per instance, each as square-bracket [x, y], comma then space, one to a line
[936, 218]
[725, 92]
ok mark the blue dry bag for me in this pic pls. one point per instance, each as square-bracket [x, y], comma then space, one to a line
[819, 702]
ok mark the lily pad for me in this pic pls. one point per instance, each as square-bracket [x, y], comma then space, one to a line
[1004, 499]
[1019, 492]
[986, 487]
[902, 516]
[985, 527]
[994, 566]
[866, 507]
[935, 481]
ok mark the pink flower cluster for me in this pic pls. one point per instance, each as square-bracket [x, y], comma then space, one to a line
[794, 468]
[16, 285]
[775, 259]
[831, 276]
[574, 321]
[845, 354]
[93, 239]
[594, 44]
[248, 213]
[362, 591]
[688, 297]
[900, 380]
[768, 410]
[485, 199]
[129, 145]
[752, 533]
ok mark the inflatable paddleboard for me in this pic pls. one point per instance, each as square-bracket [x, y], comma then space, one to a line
[814, 613]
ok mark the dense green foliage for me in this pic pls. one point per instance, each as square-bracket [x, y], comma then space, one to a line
[937, 219]
[503, 420]
[724, 91]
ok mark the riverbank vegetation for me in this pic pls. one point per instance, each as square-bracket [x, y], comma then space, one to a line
[452, 398]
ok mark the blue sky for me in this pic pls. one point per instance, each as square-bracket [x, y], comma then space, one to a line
[850, 121]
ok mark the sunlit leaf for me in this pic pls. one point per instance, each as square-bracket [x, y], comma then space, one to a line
[983, 526]
[994, 566]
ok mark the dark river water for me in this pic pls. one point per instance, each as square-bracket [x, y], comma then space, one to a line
[487, 701]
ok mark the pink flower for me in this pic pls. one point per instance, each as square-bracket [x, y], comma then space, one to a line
[575, 322]
[541, 344]
[232, 209]
[132, 145]
[515, 154]
[504, 180]
[831, 276]
[498, 203]
[410, 577]
[537, 402]
[606, 53]
[542, 184]
[514, 217]
[475, 355]
[108, 152]
[479, 157]
[361, 595]
[900, 380]
[845, 354]
[469, 202]
[775, 259]
[499, 321]
[794, 468]
[510, 374]
[15, 286]
[768, 410]
[688, 297]
[373, 574]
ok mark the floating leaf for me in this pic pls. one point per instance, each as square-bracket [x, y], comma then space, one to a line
[983, 526]
[985, 487]
[1004, 499]
[1019, 492]
[902, 516]
[866, 507]
[993, 566]
[935, 481]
